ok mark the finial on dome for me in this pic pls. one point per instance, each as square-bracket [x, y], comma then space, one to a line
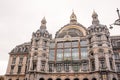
[43, 23]
[73, 18]
[95, 18]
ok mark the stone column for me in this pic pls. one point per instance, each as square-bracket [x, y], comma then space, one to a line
[31, 64]
[96, 62]
[38, 64]
[107, 61]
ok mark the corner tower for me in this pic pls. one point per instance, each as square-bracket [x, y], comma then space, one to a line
[38, 56]
[100, 49]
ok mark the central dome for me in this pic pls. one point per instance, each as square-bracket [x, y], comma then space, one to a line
[73, 29]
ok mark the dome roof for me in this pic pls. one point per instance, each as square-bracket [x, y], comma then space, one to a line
[73, 29]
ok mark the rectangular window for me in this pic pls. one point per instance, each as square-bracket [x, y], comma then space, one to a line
[111, 64]
[76, 67]
[118, 67]
[67, 44]
[84, 53]
[60, 45]
[14, 60]
[58, 67]
[116, 55]
[34, 65]
[51, 67]
[52, 45]
[59, 54]
[19, 69]
[66, 67]
[84, 66]
[12, 68]
[21, 60]
[102, 64]
[51, 55]
[43, 66]
[75, 54]
[67, 54]
[75, 44]
[83, 43]
[92, 65]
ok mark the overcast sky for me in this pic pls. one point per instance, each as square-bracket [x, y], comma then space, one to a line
[19, 18]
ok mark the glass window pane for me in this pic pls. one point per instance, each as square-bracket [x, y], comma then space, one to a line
[75, 54]
[60, 45]
[52, 45]
[83, 43]
[67, 54]
[75, 44]
[59, 54]
[51, 55]
[83, 53]
[67, 44]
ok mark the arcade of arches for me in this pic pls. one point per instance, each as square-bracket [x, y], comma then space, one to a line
[73, 79]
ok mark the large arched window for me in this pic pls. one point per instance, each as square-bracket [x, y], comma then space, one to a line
[41, 79]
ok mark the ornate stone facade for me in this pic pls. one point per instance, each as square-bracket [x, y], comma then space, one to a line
[76, 53]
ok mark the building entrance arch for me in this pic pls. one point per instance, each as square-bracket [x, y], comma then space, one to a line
[41, 79]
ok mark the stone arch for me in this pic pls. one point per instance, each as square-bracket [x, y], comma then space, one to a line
[114, 79]
[41, 79]
[85, 79]
[9, 79]
[58, 79]
[94, 79]
[76, 78]
[50, 79]
[67, 79]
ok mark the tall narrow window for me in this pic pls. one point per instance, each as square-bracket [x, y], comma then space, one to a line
[51, 55]
[43, 66]
[58, 67]
[116, 55]
[67, 54]
[59, 54]
[66, 67]
[93, 65]
[75, 54]
[20, 60]
[13, 60]
[12, 68]
[19, 69]
[118, 67]
[51, 67]
[75, 67]
[84, 53]
[102, 64]
[34, 65]
[111, 64]
[84, 66]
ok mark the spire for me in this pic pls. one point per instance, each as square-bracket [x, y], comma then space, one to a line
[95, 18]
[73, 18]
[43, 23]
